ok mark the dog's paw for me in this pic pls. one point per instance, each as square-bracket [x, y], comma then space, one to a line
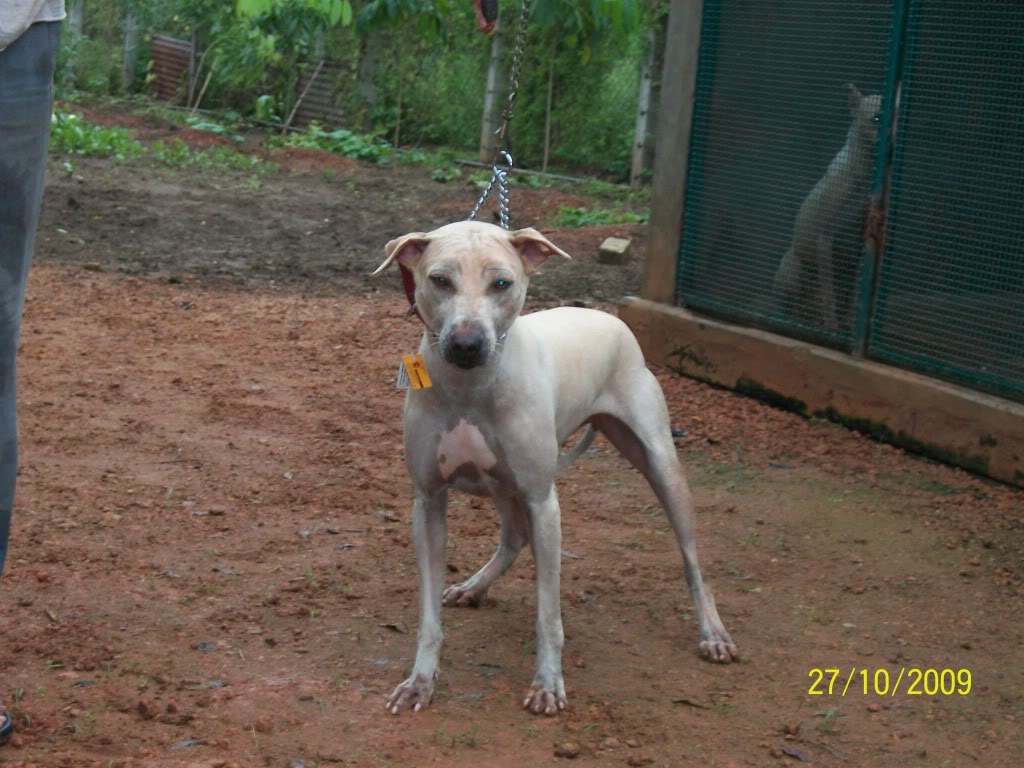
[414, 693]
[546, 700]
[719, 648]
[464, 595]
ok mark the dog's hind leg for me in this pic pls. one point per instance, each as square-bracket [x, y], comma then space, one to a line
[547, 694]
[641, 431]
[515, 533]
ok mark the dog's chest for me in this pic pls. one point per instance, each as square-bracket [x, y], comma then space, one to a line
[466, 461]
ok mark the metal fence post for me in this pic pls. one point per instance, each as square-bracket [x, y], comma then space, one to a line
[874, 229]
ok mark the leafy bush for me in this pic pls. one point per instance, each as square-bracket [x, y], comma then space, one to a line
[341, 141]
[445, 174]
[87, 64]
[70, 134]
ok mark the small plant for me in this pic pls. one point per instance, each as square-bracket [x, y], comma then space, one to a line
[341, 142]
[444, 175]
[212, 126]
[470, 737]
[440, 734]
[531, 181]
[310, 577]
[22, 715]
[266, 109]
[829, 719]
[181, 155]
[573, 218]
[85, 726]
[415, 157]
[70, 134]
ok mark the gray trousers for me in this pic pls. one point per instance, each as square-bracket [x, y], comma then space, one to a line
[26, 101]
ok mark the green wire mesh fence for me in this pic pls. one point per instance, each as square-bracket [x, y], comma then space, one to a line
[950, 296]
[797, 105]
[782, 159]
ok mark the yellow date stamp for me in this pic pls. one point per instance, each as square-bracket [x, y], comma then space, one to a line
[910, 681]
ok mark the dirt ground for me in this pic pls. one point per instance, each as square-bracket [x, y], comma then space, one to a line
[211, 562]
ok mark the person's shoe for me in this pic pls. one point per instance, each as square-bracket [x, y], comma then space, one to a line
[7, 728]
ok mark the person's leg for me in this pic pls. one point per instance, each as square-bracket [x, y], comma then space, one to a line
[26, 102]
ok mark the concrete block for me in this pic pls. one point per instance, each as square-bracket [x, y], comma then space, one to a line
[614, 250]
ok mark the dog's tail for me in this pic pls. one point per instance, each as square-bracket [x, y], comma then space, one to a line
[576, 451]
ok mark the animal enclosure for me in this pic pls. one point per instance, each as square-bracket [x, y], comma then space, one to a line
[855, 180]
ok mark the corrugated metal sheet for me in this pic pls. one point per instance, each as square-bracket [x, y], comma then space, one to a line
[321, 100]
[170, 65]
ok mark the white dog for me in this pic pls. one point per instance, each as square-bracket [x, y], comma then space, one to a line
[837, 199]
[506, 392]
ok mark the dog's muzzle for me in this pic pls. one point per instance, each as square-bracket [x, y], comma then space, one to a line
[466, 347]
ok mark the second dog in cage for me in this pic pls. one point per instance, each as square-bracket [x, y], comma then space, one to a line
[805, 279]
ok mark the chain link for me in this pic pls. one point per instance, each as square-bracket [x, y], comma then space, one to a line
[499, 174]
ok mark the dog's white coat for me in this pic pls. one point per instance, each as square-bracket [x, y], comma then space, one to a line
[542, 376]
[840, 196]
[462, 445]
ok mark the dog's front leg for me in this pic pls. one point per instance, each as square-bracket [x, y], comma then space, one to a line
[826, 282]
[430, 535]
[547, 694]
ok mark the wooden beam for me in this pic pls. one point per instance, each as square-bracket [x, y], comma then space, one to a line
[675, 119]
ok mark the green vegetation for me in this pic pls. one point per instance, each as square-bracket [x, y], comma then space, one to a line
[181, 155]
[582, 217]
[209, 125]
[341, 141]
[410, 71]
[70, 134]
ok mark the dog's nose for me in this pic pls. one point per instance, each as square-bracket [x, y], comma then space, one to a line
[466, 347]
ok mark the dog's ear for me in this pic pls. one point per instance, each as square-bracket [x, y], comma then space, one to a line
[853, 97]
[534, 249]
[406, 249]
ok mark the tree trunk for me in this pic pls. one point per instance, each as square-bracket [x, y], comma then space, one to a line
[369, 66]
[195, 63]
[76, 18]
[398, 110]
[547, 113]
[660, 36]
[493, 103]
[131, 49]
[641, 132]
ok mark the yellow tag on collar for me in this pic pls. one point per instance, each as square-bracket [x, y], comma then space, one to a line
[413, 373]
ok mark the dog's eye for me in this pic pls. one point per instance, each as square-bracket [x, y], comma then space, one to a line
[440, 281]
[502, 284]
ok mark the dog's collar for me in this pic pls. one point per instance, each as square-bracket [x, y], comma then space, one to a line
[409, 284]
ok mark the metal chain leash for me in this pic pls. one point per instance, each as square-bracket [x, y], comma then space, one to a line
[500, 173]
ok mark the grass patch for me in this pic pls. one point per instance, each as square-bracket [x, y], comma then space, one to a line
[181, 155]
[933, 486]
[573, 218]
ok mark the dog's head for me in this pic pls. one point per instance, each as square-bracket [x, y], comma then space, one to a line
[866, 112]
[471, 281]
